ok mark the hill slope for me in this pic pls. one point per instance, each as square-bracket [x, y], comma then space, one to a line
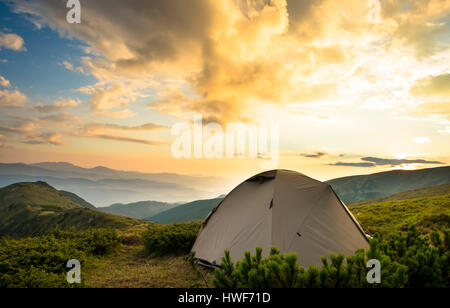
[363, 187]
[33, 209]
[426, 209]
[433, 191]
[78, 199]
[193, 211]
[138, 210]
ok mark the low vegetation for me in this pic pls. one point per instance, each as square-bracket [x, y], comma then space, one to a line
[134, 253]
[41, 262]
[35, 209]
[176, 239]
[397, 215]
[406, 261]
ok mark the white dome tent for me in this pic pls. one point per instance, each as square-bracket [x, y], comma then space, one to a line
[283, 209]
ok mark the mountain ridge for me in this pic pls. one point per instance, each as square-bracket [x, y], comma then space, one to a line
[362, 187]
[103, 186]
[34, 209]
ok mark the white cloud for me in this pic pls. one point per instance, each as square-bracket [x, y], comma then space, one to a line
[5, 82]
[12, 99]
[59, 105]
[125, 113]
[12, 41]
[69, 66]
[422, 140]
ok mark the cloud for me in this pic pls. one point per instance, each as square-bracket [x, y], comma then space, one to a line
[224, 51]
[222, 58]
[30, 131]
[107, 98]
[445, 131]
[434, 108]
[107, 131]
[399, 162]
[125, 113]
[12, 41]
[128, 139]
[314, 155]
[5, 82]
[12, 98]
[422, 140]
[70, 67]
[361, 165]
[432, 86]
[62, 119]
[140, 128]
[45, 138]
[59, 105]
[368, 162]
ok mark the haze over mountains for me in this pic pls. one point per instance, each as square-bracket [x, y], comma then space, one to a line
[103, 186]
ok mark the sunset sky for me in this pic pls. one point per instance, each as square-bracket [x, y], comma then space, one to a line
[351, 95]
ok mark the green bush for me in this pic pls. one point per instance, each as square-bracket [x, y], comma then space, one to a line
[406, 261]
[41, 262]
[176, 239]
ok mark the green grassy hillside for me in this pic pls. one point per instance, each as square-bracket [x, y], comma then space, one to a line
[78, 199]
[138, 210]
[426, 209]
[33, 209]
[193, 211]
[410, 194]
[363, 187]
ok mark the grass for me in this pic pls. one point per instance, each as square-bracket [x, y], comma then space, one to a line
[35, 209]
[433, 191]
[390, 216]
[127, 267]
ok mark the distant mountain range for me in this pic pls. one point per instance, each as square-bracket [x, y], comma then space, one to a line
[124, 190]
[349, 189]
[103, 186]
[34, 209]
[197, 210]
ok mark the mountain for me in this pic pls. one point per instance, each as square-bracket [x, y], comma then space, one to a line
[103, 186]
[349, 189]
[408, 195]
[103, 173]
[427, 209]
[139, 210]
[33, 209]
[193, 211]
[78, 199]
[363, 187]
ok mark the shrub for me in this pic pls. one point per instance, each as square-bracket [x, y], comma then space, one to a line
[41, 262]
[406, 261]
[176, 239]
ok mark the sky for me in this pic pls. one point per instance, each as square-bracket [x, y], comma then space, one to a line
[355, 87]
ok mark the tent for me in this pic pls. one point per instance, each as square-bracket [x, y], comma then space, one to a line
[283, 209]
